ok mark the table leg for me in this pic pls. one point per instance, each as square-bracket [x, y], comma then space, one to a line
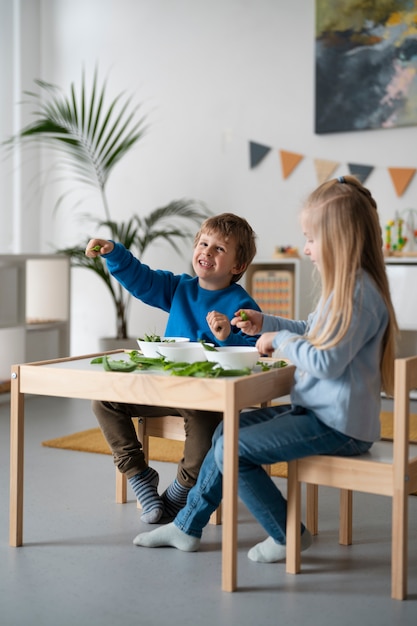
[230, 487]
[16, 459]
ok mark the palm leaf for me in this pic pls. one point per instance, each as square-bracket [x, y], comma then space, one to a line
[91, 142]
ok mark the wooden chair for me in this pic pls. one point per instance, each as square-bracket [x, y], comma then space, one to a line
[168, 427]
[388, 469]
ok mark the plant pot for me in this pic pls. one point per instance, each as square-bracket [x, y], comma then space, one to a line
[111, 343]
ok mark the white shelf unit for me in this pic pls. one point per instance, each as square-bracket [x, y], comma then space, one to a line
[34, 309]
[402, 277]
[274, 284]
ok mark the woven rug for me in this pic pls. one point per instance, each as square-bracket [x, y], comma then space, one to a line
[170, 451]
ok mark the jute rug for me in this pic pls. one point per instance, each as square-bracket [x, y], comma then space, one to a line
[170, 451]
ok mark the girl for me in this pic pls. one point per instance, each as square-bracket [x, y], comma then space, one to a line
[344, 355]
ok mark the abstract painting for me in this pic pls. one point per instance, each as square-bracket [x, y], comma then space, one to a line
[366, 64]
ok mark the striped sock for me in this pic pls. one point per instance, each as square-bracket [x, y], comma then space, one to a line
[174, 498]
[145, 488]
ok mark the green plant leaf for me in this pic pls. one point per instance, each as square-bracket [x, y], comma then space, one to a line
[91, 137]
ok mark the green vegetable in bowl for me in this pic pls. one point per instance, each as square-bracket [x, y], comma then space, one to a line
[150, 338]
[269, 366]
[207, 347]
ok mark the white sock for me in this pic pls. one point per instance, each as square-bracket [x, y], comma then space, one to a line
[168, 535]
[269, 551]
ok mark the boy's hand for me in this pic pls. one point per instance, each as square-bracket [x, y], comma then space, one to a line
[249, 321]
[96, 247]
[219, 325]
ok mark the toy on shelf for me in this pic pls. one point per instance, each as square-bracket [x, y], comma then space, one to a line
[282, 252]
[401, 234]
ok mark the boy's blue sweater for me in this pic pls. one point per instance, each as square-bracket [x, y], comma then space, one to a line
[182, 297]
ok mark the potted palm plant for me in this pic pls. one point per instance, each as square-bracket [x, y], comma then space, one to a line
[90, 140]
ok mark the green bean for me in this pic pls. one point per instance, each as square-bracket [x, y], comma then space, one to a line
[207, 347]
[244, 316]
[118, 366]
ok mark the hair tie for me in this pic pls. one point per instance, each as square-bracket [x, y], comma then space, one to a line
[341, 179]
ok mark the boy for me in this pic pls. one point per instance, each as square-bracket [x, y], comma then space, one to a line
[199, 308]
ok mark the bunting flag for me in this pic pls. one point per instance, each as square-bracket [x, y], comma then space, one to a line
[360, 171]
[257, 153]
[401, 177]
[289, 161]
[324, 169]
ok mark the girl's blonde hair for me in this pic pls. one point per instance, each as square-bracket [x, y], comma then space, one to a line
[231, 225]
[341, 215]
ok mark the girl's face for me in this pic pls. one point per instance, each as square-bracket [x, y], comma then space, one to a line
[312, 245]
[214, 261]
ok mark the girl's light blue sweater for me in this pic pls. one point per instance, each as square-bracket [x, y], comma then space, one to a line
[342, 385]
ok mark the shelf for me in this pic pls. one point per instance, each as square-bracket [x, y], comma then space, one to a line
[275, 285]
[38, 292]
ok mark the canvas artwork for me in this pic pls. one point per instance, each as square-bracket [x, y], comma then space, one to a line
[366, 64]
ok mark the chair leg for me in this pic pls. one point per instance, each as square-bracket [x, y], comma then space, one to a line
[312, 508]
[121, 487]
[399, 548]
[345, 522]
[216, 517]
[293, 559]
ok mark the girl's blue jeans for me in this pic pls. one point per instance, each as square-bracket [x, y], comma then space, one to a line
[266, 436]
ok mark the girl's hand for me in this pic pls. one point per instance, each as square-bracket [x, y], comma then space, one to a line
[96, 247]
[219, 325]
[249, 321]
[264, 343]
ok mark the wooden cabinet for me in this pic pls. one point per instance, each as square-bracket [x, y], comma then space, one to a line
[34, 309]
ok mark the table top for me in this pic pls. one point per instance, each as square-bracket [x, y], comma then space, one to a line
[77, 377]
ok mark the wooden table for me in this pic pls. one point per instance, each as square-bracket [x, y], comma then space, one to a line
[77, 378]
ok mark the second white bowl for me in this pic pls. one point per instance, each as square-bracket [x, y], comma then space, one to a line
[184, 353]
[152, 348]
[234, 357]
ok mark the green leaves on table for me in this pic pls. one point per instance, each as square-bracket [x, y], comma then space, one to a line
[199, 369]
[265, 366]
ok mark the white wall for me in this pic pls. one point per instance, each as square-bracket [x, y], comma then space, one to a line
[211, 76]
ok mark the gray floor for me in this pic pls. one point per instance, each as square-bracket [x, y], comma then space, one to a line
[79, 567]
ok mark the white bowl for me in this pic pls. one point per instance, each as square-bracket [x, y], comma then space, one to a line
[183, 352]
[151, 348]
[234, 357]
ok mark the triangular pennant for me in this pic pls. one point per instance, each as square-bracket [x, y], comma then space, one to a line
[401, 177]
[257, 152]
[289, 161]
[324, 169]
[360, 171]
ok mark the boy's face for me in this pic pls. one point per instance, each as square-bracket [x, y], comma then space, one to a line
[214, 260]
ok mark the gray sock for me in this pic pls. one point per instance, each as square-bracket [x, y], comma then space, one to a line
[174, 498]
[269, 551]
[168, 535]
[145, 487]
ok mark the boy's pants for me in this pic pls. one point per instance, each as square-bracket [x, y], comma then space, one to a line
[115, 420]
